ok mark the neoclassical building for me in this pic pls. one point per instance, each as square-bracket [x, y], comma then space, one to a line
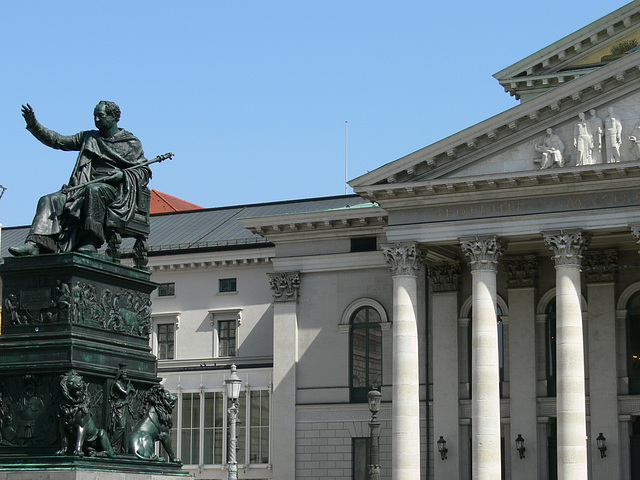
[488, 285]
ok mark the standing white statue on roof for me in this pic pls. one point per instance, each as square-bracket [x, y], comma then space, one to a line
[613, 136]
[583, 141]
[596, 125]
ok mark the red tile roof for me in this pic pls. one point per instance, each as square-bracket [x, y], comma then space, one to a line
[163, 202]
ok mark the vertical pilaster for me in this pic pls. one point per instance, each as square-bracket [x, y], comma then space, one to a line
[603, 378]
[285, 287]
[567, 247]
[521, 275]
[483, 254]
[444, 281]
[405, 259]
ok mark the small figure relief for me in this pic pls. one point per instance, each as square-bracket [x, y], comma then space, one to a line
[119, 310]
[583, 141]
[11, 305]
[25, 415]
[613, 137]
[63, 300]
[154, 426]
[119, 407]
[30, 409]
[77, 428]
[597, 129]
[552, 149]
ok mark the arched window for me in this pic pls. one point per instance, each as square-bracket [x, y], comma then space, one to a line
[500, 326]
[365, 344]
[550, 347]
[633, 344]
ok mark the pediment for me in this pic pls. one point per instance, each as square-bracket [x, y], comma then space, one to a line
[575, 55]
[507, 145]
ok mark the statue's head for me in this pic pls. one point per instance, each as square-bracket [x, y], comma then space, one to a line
[106, 116]
[111, 108]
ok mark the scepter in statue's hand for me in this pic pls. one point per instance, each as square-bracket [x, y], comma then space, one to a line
[159, 158]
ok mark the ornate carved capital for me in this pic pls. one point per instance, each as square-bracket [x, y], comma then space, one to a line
[635, 231]
[567, 246]
[482, 253]
[521, 271]
[285, 286]
[600, 266]
[445, 277]
[404, 258]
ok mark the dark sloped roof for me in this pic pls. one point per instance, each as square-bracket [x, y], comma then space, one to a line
[210, 227]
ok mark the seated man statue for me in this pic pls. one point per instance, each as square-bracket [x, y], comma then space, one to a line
[102, 192]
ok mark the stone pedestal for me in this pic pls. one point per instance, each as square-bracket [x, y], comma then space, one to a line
[64, 312]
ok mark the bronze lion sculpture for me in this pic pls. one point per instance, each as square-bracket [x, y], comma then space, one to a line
[154, 426]
[77, 428]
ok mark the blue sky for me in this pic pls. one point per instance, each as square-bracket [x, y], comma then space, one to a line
[252, 96]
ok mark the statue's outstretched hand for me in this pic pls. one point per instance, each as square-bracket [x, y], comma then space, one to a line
[29, 115]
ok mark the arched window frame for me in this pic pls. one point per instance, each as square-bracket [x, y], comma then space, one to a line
[502, 320]
[630, 315]
[543, 312]
[358, 395]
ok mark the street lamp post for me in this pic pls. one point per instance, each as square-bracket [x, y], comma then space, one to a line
[233, 393]
[374, 398]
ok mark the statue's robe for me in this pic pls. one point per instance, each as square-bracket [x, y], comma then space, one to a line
[63, 220]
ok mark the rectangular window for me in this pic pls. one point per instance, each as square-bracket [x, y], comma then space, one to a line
[364, 244]
[213, 427]
[227, 285]
[252, 428]
[259, 425]
[227, 338]
[166, 289]
[166, 341]
[241, 428]
[190, 434]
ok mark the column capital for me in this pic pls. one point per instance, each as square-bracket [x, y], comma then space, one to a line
[445, 277]
[285, 286]
[404, 258]
[600, 266]
[635, 231]
[521, 271]
[567, 246]
[483, 253]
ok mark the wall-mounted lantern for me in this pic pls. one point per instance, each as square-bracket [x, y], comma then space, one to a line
[442, 448]
[601, 441]
[520, 445]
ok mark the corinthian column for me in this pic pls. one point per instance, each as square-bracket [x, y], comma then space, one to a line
[405, 260]
[483, 254]
[285, 287]
[567, 247]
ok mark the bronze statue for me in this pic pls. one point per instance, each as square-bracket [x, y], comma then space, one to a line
[103, 189]
[77, 428]
[119, 408]
[154, 426]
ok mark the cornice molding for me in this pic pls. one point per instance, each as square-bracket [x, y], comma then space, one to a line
[360, 220]
[532, 180]
[556, 59]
